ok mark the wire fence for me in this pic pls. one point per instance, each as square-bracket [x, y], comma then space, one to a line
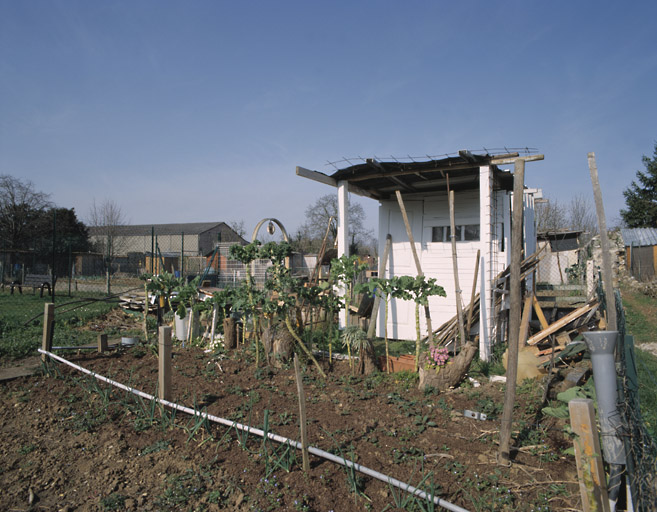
[640, 447]
[110, 261]
[565, 275]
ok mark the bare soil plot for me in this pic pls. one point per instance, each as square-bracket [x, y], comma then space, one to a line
[67, 445]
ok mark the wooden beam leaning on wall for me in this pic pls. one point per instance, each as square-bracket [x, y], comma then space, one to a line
[409, 232]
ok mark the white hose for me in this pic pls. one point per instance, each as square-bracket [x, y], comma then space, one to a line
[274, 437]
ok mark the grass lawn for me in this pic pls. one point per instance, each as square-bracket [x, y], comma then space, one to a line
[21, 322]
[641, 322]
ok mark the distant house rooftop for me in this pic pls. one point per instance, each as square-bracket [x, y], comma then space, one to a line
[190, 228]
[639, 237]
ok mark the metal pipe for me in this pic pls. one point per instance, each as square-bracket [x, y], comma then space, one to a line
[274, 437]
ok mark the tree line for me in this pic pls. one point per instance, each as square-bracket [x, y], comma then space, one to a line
[28, 221]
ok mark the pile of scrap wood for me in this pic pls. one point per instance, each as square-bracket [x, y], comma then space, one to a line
[448, 332]
[135, 302]
[548, 339]
[555, 337]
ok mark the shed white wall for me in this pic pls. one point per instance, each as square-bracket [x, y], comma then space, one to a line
[492, 211]
[425, 212]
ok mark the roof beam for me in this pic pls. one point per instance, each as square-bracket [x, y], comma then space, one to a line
[507, 161]
[403, 172]
[316, 176]
[320, 177]
[403, 185]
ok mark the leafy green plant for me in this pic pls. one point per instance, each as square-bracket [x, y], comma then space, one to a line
[418, 289]
[355, 339]
[183, 487]
[157, 446]
[283, 290]
[344, 271]
[383, 288]
[114, 501]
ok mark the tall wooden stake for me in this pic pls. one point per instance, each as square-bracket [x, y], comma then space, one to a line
[504, 455]
[302, 416]
[409, 232]
[455, 266]
[48, 329]
[146, 303]
[607, 277]
[164, 363]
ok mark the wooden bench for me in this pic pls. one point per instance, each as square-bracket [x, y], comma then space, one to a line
[34, 281]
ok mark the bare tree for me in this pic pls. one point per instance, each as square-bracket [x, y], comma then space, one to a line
[20, 205]
[550, 215]
[318, 214]
[106, 220]
[238, 226]
[582, 215]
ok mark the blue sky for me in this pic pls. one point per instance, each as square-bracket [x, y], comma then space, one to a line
[200, 111]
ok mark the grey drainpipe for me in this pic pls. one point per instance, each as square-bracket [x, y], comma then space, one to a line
[601, 345]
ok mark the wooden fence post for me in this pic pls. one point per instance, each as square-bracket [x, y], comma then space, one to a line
[48, 329]
[607, 273]
[102, 343]
[590, 472]
[302, 416]
[164, 363]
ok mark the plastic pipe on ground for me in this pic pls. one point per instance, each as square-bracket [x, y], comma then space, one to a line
[274, 437]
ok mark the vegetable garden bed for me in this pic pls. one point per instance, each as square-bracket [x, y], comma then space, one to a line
[82, 444]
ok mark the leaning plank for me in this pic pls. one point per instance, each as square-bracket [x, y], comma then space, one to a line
[539, 313]
[561, 323]
[590, 471]
[524, 321]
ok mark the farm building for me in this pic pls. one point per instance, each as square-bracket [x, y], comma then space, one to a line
[640, 252]
[133, 246]
[482, 210]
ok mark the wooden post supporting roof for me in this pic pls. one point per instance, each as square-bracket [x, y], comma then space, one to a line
[383, 263]
[343, 237]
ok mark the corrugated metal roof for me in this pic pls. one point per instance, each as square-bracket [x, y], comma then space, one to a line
[639, 237]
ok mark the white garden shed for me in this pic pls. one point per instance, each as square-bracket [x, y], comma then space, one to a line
[482, 210]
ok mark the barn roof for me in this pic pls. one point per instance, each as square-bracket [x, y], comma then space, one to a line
[190, 228]
[380, 179]
[639, 237]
